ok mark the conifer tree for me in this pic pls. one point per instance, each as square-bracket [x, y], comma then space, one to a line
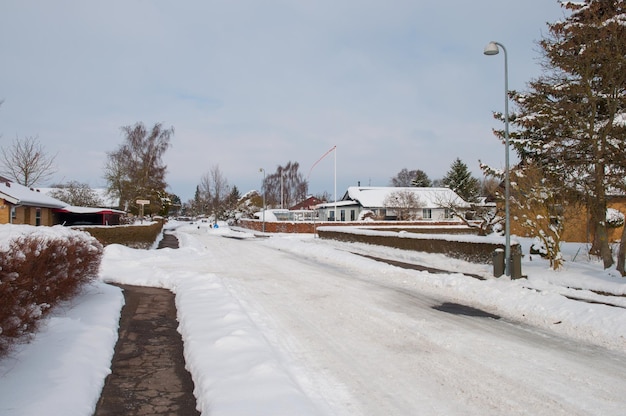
[421, 180]
[572, 121]
[461, 181]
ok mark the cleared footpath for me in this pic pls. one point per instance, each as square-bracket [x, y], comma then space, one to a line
[148, 375]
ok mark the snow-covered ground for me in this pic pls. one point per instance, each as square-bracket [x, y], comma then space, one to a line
[295, 325]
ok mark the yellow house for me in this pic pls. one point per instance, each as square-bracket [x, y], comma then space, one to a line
[22, 205]
[577, 226]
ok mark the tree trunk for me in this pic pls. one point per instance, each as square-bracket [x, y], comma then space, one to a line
[621, 256]
[600, 245]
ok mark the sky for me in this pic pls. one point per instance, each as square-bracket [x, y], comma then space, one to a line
[248, 84]
[304, 326]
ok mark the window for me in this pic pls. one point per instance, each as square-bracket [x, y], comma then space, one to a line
[343, 214]
[331, 216]
[447, 213]
[427, 213]
[38, 216]
[352, 215]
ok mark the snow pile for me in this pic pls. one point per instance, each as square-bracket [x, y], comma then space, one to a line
[237, 363]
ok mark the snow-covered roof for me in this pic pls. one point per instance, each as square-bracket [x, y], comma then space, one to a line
[89, 210]
[107, 200]
[21, 195]
[346, 203]
[374, 196]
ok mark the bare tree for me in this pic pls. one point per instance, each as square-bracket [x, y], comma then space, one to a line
[77, 194]
[481, 217]
[286, 187]
[403, 178]
[404, 202]
[214, 192]
[136, 170]
[27, 162]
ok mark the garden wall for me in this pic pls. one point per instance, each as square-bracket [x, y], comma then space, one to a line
[311, 227]
[464, 247]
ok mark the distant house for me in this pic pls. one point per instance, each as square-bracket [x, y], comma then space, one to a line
[24, 205]
[358, 200]
[308, 204]
[70, 215]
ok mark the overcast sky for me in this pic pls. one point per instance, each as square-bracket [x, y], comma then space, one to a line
[251, 84]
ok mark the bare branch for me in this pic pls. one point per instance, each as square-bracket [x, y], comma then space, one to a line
[27, 162]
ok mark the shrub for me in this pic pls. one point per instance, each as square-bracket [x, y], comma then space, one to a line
[134, 236]
[39, 268]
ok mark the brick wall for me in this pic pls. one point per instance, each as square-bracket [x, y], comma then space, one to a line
[308, 227]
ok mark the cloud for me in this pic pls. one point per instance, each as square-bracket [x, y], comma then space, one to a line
[250, 84]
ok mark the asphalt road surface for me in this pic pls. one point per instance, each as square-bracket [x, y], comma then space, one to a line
[373, 344]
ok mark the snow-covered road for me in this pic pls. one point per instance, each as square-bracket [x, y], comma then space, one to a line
[372, 343]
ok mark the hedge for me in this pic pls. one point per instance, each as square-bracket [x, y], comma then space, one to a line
[40, 266]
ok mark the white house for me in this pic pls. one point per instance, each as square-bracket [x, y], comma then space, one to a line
[430, 204]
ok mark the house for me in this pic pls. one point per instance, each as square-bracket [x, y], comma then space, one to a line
[307, 204]
[23, 205]
[71, 215]
[425, 204]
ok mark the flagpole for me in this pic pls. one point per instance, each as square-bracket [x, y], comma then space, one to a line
[335, 183]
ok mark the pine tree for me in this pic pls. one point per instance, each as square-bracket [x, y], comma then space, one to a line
[421, 180]
[571, 123]
[461, 181]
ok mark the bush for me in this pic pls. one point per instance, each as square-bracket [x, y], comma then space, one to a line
[134, 236]
[39, 268]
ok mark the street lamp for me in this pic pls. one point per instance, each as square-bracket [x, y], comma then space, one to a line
[281, 187]
[263, 170]
[493, 48]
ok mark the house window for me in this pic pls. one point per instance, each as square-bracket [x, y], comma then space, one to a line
[427, 213]
[343, 214]
[38, 216]
[13, 215]
[331, 216]
[352, 215]
[447, 213]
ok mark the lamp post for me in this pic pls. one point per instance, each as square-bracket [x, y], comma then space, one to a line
[263, 170]
[281, 188]
[493, 48]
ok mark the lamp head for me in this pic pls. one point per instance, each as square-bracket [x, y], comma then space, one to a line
[491, 48]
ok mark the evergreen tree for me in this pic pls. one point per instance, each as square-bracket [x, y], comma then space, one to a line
[461, 181]
[421, 180]
[571, 122]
